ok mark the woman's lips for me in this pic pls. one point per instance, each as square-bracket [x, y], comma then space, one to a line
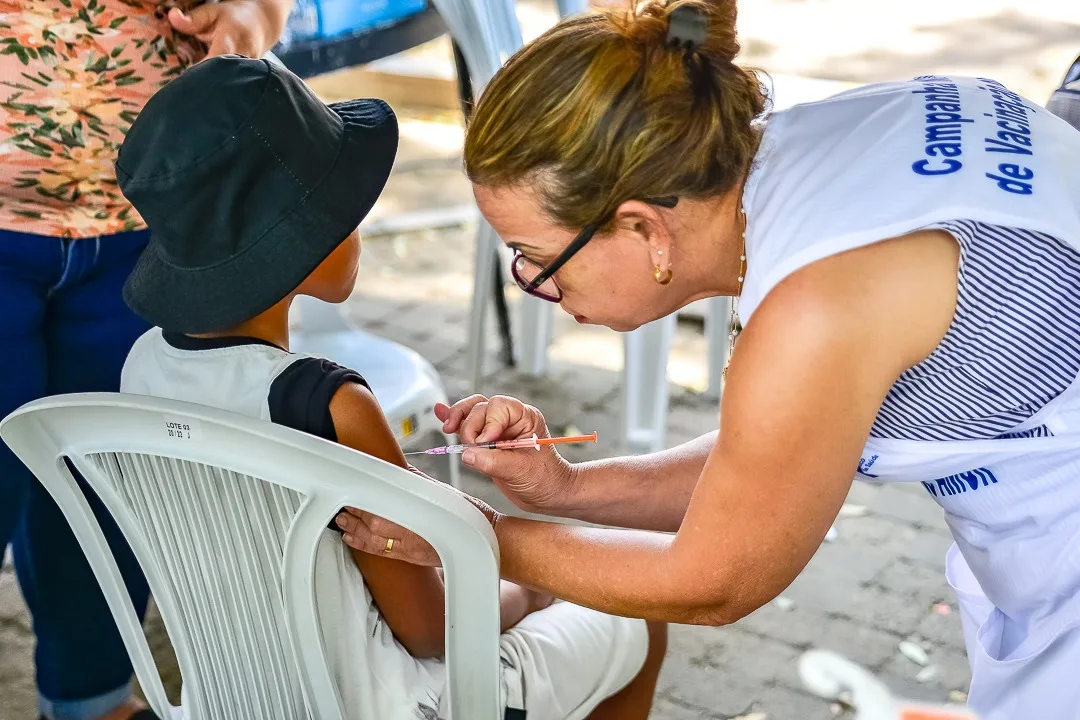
[579, 318]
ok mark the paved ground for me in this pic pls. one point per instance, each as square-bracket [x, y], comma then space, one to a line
[880, 582]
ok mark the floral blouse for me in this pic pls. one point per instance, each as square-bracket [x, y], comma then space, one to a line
[73, 76]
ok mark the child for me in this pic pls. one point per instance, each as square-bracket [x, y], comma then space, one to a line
[253, 190]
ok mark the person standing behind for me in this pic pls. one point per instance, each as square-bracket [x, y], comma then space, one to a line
[74, 74]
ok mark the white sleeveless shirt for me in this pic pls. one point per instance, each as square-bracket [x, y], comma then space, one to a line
[1003, 176]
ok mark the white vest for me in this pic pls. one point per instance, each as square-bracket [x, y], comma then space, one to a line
[886, 160]
[237, 378]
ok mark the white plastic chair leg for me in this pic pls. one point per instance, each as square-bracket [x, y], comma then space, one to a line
[717, 318]
[645, 387]
[486, 31]
[76, 510]
[486, 244]
[534, 336]
[453, 464]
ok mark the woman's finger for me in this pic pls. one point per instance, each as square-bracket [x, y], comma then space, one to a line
[503, 414]
[375, 536]
[364, 525]
[472, 425]
[508, 418]
[421, 473]
[456, 413]
[353, 518]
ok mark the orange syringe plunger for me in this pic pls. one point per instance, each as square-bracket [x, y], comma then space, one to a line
[535, 442]
[528, 442]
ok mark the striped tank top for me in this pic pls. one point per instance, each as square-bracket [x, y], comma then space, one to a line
[1013, 346]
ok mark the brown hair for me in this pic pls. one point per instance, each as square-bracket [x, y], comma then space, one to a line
[600, 110]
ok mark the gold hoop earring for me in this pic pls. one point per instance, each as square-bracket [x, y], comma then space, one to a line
[662, 276]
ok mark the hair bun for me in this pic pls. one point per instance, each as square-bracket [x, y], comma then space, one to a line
[608, 106]
[700, 26]
[688, 27]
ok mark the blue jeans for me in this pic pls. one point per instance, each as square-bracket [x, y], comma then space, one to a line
[64, 329]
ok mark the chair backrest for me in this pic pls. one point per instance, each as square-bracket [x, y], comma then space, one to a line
[224, 513]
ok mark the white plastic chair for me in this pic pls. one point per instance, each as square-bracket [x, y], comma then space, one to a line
[406, 385]
[828, 675]
[488, 33]
[223, 513]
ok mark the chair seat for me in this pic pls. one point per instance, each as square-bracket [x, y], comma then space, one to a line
[395, 372]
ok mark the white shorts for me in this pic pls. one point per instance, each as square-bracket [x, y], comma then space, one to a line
[558, 663]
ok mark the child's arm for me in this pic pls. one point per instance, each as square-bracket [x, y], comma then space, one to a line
[409, 597]
[515, 602]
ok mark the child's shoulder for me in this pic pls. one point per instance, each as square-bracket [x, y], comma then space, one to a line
[307, 374]
[300, 395]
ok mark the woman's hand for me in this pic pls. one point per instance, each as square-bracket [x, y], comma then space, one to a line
[534, 481]
[373, 535]
[241, 27]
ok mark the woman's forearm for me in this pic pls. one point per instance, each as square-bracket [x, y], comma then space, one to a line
[650, 492]
[632, 573]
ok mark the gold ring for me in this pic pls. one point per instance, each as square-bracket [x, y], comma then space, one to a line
[389, 545]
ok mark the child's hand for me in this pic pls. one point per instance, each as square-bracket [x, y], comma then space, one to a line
[241, 27]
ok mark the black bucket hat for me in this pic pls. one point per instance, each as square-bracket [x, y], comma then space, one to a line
[247, 182]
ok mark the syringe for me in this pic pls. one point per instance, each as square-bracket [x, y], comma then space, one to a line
[526, 442]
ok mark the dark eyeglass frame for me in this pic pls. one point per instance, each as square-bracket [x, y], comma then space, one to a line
[531, 287]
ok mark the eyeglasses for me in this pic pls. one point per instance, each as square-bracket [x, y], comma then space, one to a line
[539, 281]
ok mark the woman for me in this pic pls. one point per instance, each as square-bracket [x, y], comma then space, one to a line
[73, 76]
[906, 257]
